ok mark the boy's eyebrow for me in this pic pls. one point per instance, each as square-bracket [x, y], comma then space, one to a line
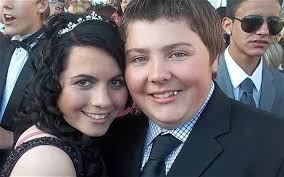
[139, 50]
[164, 48]
[172, 46]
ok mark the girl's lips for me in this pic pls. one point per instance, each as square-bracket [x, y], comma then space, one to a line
[97, 120]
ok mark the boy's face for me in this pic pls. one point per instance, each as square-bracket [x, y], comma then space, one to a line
[168, 70]
[58, 9]
[252, 44]
[23, 17]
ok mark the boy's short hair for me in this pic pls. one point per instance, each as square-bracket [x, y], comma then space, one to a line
[200, 16]
[233, 6]
[221, 12]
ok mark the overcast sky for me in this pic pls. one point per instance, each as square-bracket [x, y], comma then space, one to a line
[217, 3]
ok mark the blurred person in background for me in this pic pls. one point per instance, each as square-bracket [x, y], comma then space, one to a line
[67, 3]
[117, 15]
[105, 10]
[24, 20]
[123, 4]
[274, 56]
[76, 8]
[58, 8]
[242, 72]
[88, 6]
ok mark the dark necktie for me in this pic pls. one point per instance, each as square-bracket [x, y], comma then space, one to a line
[163, 145]
[247, 96]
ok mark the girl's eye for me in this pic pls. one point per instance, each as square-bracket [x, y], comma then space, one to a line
[116, 84]
[83, 83]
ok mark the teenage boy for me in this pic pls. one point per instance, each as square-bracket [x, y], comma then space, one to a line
[23, 19]
[242, 72]
[190, 128]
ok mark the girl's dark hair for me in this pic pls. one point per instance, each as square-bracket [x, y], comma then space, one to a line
[51, 62]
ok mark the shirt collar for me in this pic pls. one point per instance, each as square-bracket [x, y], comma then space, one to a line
[21, 38]
[237, 74]
[1, 26]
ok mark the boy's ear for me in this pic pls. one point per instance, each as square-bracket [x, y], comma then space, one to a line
[41, 6]
[227, 25]
[215, 64]
[214, 67]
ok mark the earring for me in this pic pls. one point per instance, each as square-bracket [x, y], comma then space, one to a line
[229, 33]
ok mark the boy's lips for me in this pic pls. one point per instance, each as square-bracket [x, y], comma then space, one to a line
[8, 19]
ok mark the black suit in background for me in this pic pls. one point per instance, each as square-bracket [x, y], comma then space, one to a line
[228, 140]
[16, 100]
[6, 51]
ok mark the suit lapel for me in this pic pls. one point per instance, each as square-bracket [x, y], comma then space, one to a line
[16, 97]
[134, 144]
[5, 58]
[223, 78]
[202, 148]
[268, 90]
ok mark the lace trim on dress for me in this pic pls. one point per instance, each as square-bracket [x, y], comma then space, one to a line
[15, 155]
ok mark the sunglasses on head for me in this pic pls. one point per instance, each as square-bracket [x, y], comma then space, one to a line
[59, 8]
[252, 23]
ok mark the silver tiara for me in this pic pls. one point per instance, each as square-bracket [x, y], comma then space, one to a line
[71, 25]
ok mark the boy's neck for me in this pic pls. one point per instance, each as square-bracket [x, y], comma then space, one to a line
[246, 62]
[33, 31]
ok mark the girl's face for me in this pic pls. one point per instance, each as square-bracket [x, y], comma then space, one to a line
[93, 90]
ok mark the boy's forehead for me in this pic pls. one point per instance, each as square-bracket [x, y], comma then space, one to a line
[258, 7]
[144, 24]
[265, 2]
[158, 33]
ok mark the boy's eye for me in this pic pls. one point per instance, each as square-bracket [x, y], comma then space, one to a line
[139, 59]
[178, 55]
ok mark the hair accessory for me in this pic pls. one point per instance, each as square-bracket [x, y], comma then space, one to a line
[71, 25]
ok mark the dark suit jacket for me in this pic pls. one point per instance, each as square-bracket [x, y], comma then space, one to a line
[228, 140]
[16, 100]
[272, 87]
[6, 51]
